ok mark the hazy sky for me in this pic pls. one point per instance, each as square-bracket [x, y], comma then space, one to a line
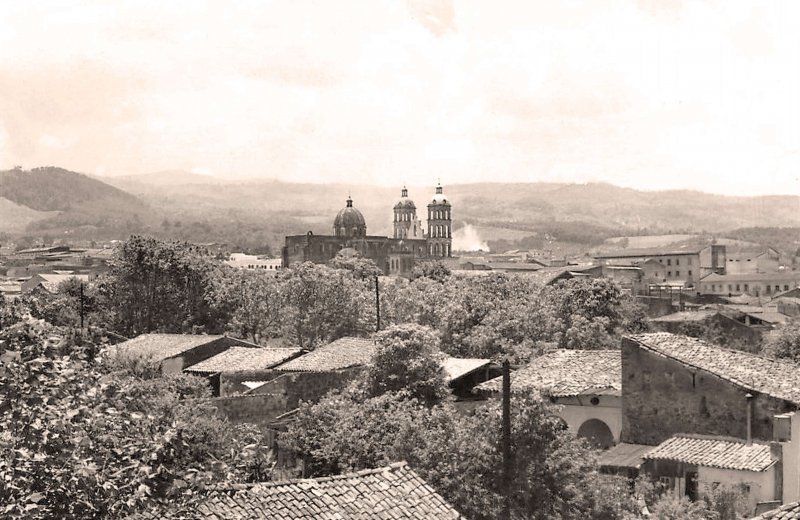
[651, 94]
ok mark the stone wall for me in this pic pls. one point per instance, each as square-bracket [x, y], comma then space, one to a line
[661, 397]
[258, 409]
[306, 386]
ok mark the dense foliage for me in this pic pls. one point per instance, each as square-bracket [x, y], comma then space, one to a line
[84, 439]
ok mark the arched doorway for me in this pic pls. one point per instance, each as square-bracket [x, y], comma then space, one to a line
[597, 433]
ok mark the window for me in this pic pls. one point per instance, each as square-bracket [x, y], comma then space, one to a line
[746, 288]
[669, 261]
[777, 288]
[690, 272]
[677, 273]
[785, 287]
[666, 482]
[677, 261]
[669, 273]
[737, 287]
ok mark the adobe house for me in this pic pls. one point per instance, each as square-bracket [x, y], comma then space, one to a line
[713, 416]
[175, 352]
[585, 384]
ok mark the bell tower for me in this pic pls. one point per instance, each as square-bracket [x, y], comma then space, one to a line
[440, 237]
[406, 224]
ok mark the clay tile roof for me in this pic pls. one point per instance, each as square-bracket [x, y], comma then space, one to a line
[780, 379]
[394, 492]
[162, 346]
[239, 359]
[785, 512]
[714, 453]
[682, 316]
[566, 373]
[342, 353]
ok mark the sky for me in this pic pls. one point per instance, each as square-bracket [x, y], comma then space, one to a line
[648, 94]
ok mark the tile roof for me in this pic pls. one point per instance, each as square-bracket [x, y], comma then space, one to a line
[455, 368]
[653, 251]
[238, 359]
[567, 373]
[392, 492]
[624, 455]
[700, 315]
[714, 453]
[780, 379]
[342, 353]
[162, 346]
[785, 512]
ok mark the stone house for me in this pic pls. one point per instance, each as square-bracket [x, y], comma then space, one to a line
[585, 384]
[175, 352]
[714, 416]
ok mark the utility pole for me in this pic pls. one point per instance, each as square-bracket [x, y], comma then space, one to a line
[377, 307]
[507, 462]
[81, 307]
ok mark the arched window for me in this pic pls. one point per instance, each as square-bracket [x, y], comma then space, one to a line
[597, 432]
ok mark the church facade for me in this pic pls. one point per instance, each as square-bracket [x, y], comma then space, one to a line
[395, 255]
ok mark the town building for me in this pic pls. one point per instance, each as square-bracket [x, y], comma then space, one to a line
[584, 384]
[253, 262]
[683, 266]
[749, 259]
[395, 255]
[753, 284]
[712, 416]
[50, 282]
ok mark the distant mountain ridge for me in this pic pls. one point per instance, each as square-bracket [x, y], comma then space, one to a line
[204, 208]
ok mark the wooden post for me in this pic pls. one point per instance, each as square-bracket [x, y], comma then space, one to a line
[377, 307]
[507, 462]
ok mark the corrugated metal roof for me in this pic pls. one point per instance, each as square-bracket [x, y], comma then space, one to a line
[714, 453]
[624, 455]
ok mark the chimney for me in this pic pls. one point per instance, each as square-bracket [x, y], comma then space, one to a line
[749, 397]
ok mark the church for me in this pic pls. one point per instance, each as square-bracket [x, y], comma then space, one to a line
[396, 255]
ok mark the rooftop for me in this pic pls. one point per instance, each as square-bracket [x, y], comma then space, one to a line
[753, 277]
[652, 251]
[785, 512]
[163, 346]
[342, 353]
[392, 492]
[624, 455]
[237, 359]
[780, 379]
[455, 368]
[713, 453]
[700, 315]
[566, 373]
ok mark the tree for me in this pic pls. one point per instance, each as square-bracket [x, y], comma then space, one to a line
[251, 299]
[459, 455]
[159, 286]
[433, 269]
[407, 358]
[82, 440]
[362, 268]
[321, 304]
[784, 342]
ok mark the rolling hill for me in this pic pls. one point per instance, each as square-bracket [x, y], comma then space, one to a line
[258, 213]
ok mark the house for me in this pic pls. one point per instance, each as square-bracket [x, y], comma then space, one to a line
[685, 265]
[175, 352]
[228, 370]
[745, 259]
[391, 492]
[585, 384]
[50, 282]
[713, 416]
[731, 326]
[753, 284]
[463, 374]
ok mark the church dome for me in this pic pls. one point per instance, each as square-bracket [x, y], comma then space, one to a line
[405, 202]
[349, 221]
